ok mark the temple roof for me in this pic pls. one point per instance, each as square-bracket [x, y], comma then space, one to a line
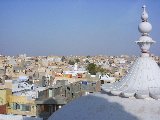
[143, 79]
[102, 106]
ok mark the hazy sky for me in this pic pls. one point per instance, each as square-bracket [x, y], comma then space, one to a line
[75, 27]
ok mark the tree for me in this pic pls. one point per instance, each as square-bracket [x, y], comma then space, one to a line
[92, 68]
[63, 58]
[77, 60]
[71, 62]
[88, 56]
[87, 61]
[103, 71]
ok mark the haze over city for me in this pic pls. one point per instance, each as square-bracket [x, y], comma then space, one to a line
[81, 27]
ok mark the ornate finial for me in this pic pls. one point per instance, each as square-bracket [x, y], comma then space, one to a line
[144, 6]
[144, 27]
[144, 15]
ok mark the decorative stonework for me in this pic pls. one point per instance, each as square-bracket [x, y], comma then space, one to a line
[143, 79]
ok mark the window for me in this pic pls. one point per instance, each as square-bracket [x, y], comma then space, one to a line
[27, 108]
[14, 107]
[41, 108]
[23, 108]
[50, 92]
[44, 108]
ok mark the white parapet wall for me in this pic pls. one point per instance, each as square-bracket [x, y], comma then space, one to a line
[18, 117]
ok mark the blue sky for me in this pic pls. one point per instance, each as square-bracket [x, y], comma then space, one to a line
[75, 27]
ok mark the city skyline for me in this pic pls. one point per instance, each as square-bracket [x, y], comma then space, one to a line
[78, 28]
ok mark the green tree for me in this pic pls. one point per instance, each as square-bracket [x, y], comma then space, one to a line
[63, 58]
[103, 71]
[87, 61]
[77, 60]
[92, 68]
[71, 62]
[88, 56]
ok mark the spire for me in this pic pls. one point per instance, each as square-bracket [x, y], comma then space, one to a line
[144, 15]
[75, 67]
[144, 27]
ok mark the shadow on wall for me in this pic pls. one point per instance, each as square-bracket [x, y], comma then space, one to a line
[46, 109]
[92, 108]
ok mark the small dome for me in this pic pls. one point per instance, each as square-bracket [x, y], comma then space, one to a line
[102, 106]
[144, 27]
[145, 38]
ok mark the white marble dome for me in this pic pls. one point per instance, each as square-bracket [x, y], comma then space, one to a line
[144, 27]
[103, 106]
[142, 80]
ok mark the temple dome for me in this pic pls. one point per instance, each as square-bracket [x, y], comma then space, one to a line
[102, 106]
[143, 79]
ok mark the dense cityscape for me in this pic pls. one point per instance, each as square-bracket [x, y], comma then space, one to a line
[39, 86]
[49, 82]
